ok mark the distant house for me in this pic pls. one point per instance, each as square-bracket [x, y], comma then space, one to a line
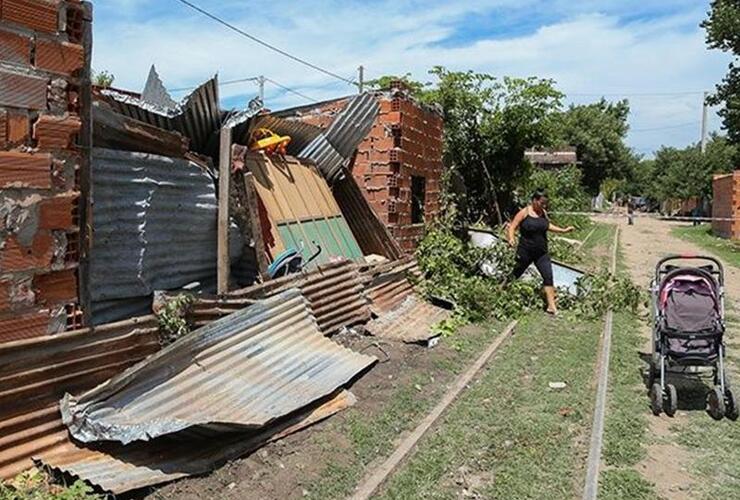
[552, 158]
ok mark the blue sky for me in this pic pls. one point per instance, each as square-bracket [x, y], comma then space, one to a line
[649, 51]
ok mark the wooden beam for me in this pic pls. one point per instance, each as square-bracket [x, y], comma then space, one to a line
[254, 222]
[224, 174]
[85, 173]
[115, 131]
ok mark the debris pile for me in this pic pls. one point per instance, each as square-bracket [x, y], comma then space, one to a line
[110, 198]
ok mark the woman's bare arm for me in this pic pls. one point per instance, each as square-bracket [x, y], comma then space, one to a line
[515, 225]
[557, 229]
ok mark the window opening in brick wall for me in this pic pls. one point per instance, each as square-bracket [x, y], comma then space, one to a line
[418, 199]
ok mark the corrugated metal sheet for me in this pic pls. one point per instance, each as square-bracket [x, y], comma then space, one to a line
[35, 373]
[154, 228]
[410, 321]
[371, 234]
[333, 149]
[118, 469]
[388, 290]
[197, 117]
[564, 276]
[335, 293]
[402, 314]
[243, 371]
[297, 209]
[155, 92]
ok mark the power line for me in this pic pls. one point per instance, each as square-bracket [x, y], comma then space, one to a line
[664, 128]
[633, 94]
[220, 84]
[288, 89]
[265, 44]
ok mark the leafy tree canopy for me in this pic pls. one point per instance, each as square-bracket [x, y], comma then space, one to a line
[723, 33]
[598, 131]
[685, 173]
[489, 123]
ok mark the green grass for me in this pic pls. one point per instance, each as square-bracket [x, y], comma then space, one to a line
[36, 485]
[626, 422]
[625, 484]
[715, 445]
[372, 436]
[510, 435]
[701, 235]
[597, 248]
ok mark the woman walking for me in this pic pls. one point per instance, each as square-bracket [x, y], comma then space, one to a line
[533, 225]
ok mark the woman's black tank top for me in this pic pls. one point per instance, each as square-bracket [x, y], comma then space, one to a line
[533, 232]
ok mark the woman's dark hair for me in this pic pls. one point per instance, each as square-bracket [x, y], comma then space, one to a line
[539, 194]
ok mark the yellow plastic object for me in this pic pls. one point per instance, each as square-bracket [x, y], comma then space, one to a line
[267, 140]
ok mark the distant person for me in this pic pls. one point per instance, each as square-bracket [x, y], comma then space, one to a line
[533, 225]
[630, 213]
[696, 214]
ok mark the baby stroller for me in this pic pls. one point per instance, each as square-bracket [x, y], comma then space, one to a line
[688, 332]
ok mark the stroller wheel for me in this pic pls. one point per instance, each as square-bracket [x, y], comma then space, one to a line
[733, 412]
[716, 403]
[671, 403]
[656, 399]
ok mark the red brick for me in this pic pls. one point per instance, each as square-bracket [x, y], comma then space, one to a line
[59, 57]
[56, 132]
[4, 295]
[56, 288]
[3, 127]
[23, 91]
[39, 15]
[24, 326]
[18, 127]
[58, 212]
[15, 48]
[16, 257]
[25, 170]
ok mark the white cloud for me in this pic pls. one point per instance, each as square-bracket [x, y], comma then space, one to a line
[590, 49]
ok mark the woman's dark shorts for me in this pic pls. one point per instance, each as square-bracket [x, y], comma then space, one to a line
[541, 261]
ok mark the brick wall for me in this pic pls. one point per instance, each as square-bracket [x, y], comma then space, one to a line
[405, 141]
[726, 203]
[43, 76]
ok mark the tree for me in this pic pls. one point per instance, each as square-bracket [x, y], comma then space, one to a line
[723, 33]
[687, 173]
[598, 131]
[384, 82]
[489, 123]
[102, 79]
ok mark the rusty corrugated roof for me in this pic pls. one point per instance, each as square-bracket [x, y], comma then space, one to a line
[198, 117]
[410, 321]
[334, 148]
[335, 293]
[243, 371]
[35, 373]
[118, 469]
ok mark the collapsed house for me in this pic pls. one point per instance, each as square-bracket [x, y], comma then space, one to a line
[398, 162]
[111, 198]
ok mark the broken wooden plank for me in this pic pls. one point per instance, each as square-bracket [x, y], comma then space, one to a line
[112, 130]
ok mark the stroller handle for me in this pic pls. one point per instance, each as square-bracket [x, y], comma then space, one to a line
[715, 261]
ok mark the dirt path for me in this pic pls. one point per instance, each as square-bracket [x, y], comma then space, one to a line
[649, 240]
[667, 464]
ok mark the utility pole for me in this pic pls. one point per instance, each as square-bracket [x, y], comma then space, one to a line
[361, 78]
[704, 120]
[261, 83]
